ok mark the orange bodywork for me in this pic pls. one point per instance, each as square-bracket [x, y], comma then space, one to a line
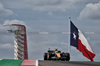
[58, 54]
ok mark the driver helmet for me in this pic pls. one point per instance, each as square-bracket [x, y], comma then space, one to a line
[56, 49]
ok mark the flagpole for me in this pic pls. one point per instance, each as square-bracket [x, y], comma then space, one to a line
[69, 36]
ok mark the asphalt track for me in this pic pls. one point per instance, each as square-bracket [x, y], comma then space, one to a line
[67, 63]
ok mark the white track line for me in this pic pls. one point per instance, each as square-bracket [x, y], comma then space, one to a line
[36, 62]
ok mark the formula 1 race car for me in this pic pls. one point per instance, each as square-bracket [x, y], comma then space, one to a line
[56, 55]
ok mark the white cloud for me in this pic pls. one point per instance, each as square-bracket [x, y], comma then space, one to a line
[91, 11]
[6, 46]
[51, 5]
[2, 29]
[46, 5]
[4, 11]
[50, 13]
[14, 22]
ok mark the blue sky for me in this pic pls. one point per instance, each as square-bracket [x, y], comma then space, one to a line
[50, 16]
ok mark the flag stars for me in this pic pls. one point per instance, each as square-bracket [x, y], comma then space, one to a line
[74, 36]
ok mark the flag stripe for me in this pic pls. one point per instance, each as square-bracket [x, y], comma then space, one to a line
[74, 42]
[84, 41]
[84, 51]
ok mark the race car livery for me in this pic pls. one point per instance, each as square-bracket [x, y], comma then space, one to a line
[56, 55]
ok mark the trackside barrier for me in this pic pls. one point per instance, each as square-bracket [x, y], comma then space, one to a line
[12, 62]
[29, 63]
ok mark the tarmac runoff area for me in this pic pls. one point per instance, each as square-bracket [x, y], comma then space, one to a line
[67, 63]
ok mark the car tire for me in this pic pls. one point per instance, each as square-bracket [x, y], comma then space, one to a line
[67, 56]
[45, 56]
[49, 56]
